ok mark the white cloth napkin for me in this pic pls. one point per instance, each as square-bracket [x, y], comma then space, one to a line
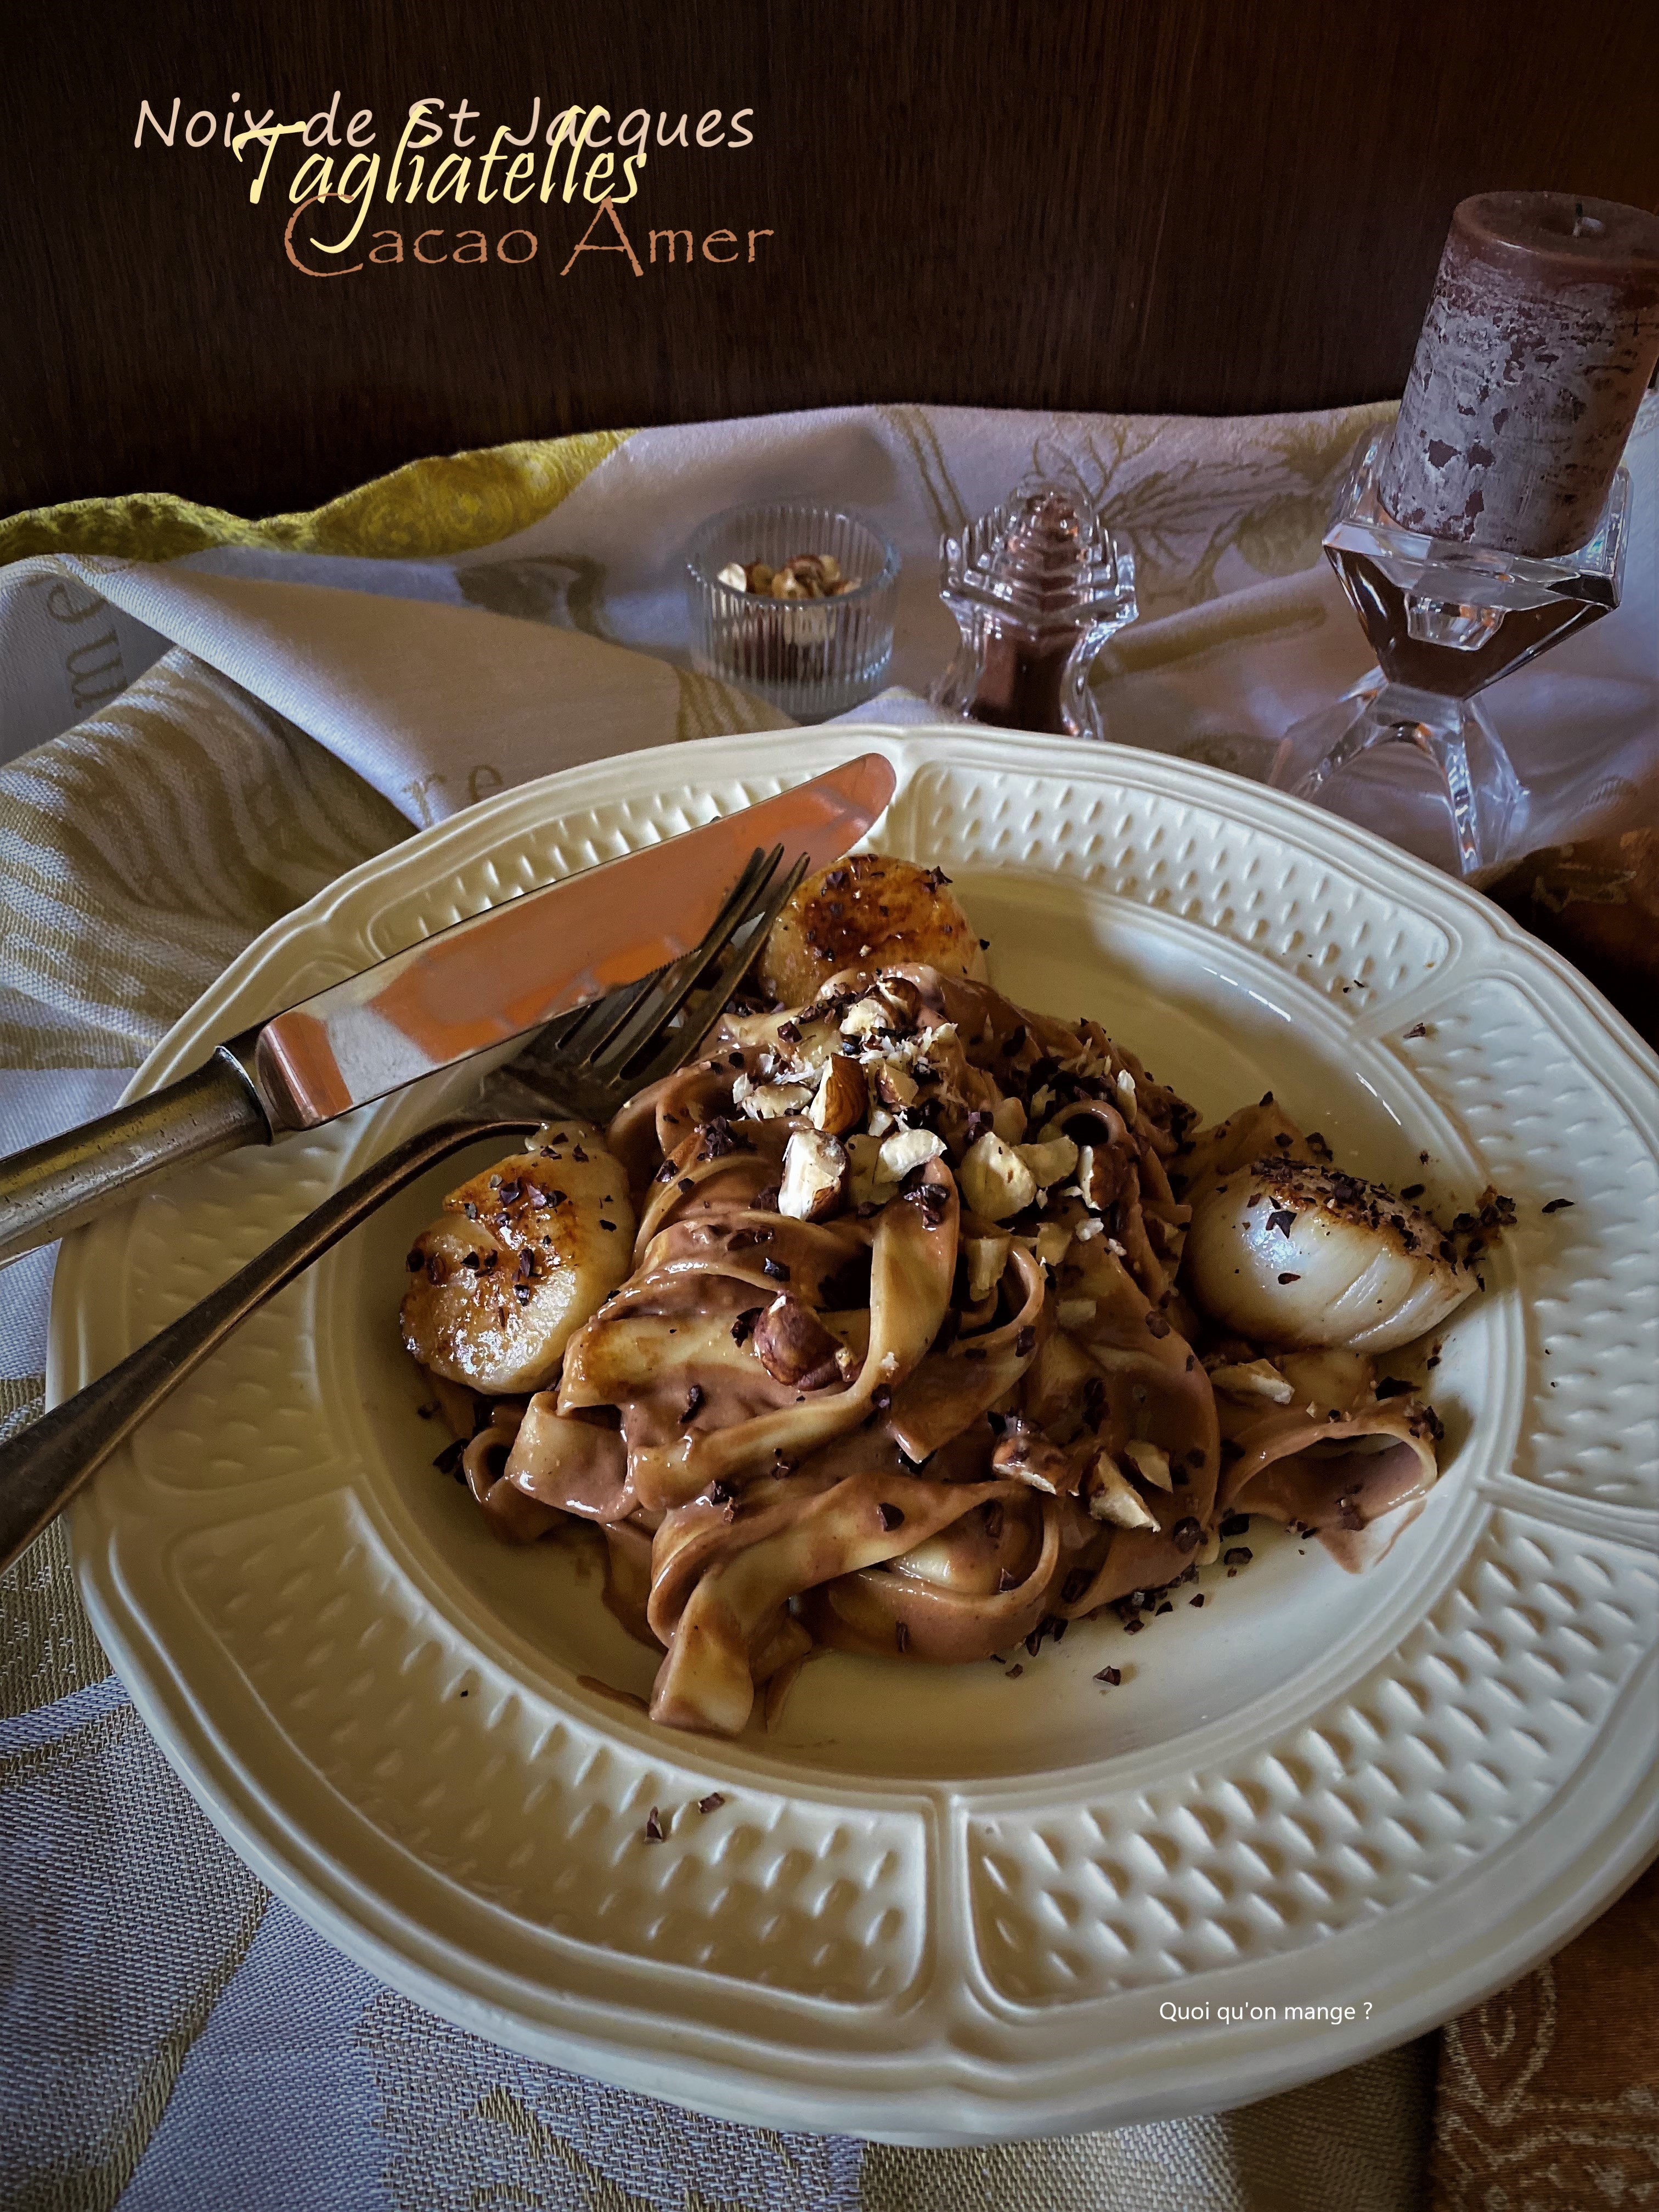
[439, 681]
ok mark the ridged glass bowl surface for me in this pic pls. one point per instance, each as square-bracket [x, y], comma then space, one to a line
[811, 658]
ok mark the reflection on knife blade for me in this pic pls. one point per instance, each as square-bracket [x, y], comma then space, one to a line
[504, 972]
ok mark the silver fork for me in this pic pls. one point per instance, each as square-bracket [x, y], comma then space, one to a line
[587, 1063]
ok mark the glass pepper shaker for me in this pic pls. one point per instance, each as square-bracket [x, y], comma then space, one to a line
[1037, 586]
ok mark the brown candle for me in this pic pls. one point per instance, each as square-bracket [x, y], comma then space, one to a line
[1537, 346]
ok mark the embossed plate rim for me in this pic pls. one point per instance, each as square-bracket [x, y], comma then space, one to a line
[947, 2086]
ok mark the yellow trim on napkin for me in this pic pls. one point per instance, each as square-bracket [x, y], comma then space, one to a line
[449, 504]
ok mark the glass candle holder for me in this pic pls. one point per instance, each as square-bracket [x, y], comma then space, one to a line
[812, 658]
[1037, 586]
[1446, 618]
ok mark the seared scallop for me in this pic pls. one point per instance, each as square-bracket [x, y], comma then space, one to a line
[869, 910]
[1293, 1255]
[519, 1258]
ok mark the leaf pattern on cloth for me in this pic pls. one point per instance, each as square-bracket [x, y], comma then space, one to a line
[47, 1649]
[193, 815]
[1549, 2091]
[915, 426]
[1353, 2142]
[1185, 494]
[709, 708]
[468, 2125]
[428, 506]
[128, 1959]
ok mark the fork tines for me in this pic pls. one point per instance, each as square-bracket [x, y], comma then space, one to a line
[637, 1035]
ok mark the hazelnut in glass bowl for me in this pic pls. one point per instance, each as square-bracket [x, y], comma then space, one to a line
[795, 602]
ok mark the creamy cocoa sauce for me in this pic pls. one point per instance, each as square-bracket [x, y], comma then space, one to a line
[799, 1433]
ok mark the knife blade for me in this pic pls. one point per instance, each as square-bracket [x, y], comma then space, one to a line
[476, 985]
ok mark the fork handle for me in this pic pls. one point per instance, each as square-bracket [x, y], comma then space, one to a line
[56, 1186]
[43, 1467]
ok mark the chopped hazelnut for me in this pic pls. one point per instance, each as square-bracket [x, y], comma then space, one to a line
[869, 1182]
[1052, 1243]
[894, 1084]
[1024, 1455]
[909, 1148]
[769, 1101]
[1051, 1162]
[1150, 1461]
[1252, 1378]
[987, 1257]
[794, 1347]
[996, 1180]
[803, 576]
[841, 1098]
[1008, 1120]
[1096, 1179]
[865, 1017]
[1109, 1496]
[814, 1176]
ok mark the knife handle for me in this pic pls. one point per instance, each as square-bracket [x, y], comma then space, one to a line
[56, 1186]
[43, 1466]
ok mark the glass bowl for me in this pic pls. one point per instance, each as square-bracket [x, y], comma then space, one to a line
[810, 658]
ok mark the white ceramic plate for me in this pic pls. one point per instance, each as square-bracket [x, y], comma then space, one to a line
[939, 1904]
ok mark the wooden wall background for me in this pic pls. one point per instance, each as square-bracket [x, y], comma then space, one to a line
[1207, 205]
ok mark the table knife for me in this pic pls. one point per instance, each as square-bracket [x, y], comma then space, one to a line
[463, 990]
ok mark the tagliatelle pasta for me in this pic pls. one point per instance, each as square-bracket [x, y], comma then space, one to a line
[904, 1359]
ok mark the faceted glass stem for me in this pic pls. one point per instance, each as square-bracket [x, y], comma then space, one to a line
[1482, 789]
[1446, 621]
